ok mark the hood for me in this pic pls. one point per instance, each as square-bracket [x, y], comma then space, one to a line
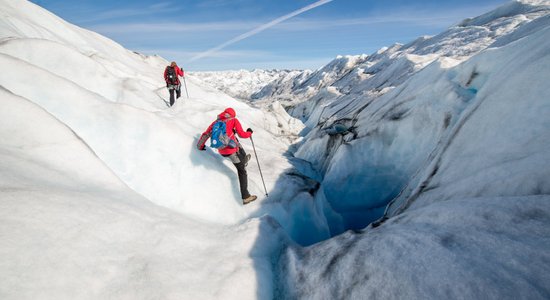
[227, 113]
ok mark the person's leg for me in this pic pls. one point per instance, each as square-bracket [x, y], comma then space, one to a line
[178, 91]
[172, 100]
[243, 180]
[241, 171]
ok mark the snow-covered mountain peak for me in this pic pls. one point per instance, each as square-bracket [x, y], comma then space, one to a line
[456, 44]
[242, 83]
[513, 8]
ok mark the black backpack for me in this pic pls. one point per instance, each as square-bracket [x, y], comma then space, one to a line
[171, 76]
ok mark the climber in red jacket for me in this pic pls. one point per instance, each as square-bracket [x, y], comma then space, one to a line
[173, 83]
[231, 149]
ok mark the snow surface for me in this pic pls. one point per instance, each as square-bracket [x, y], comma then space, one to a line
[103, 194]
[468, 156]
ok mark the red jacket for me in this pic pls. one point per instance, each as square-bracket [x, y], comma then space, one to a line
[232, 126]
[179, 72]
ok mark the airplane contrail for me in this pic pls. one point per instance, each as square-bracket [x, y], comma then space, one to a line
[260, 29]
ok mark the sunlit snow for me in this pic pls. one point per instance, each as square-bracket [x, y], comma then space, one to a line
[444, 141]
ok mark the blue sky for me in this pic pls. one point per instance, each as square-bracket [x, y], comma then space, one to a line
[184, 30]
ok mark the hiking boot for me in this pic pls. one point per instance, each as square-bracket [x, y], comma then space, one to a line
[246, 159]
[249, 199]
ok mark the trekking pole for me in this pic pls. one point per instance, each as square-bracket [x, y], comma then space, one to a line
[185, 83]
[258, 165]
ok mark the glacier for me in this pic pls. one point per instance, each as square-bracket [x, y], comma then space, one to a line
[419, 172]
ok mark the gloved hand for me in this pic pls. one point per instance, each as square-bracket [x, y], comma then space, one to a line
[250, 130]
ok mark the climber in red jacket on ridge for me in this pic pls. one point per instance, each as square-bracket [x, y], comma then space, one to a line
[173, 83]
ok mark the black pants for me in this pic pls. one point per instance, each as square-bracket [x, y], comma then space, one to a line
[171, 89]
[240, 163]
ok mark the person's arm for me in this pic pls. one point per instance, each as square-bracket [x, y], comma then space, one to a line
[202, 141]
[179, 71]
[240, 131]
[204, 137]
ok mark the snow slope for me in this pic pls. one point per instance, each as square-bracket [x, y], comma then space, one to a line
[151, 157]
[467, 155]
[70, 229]
[346, 100]
[103, 194]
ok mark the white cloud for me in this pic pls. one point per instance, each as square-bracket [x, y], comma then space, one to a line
[217, 3]
[114, 14]
[162, 5]
[243, 54]
[173, 27]
[417, 17]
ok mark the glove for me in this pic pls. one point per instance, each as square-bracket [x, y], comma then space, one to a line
[250, 130]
